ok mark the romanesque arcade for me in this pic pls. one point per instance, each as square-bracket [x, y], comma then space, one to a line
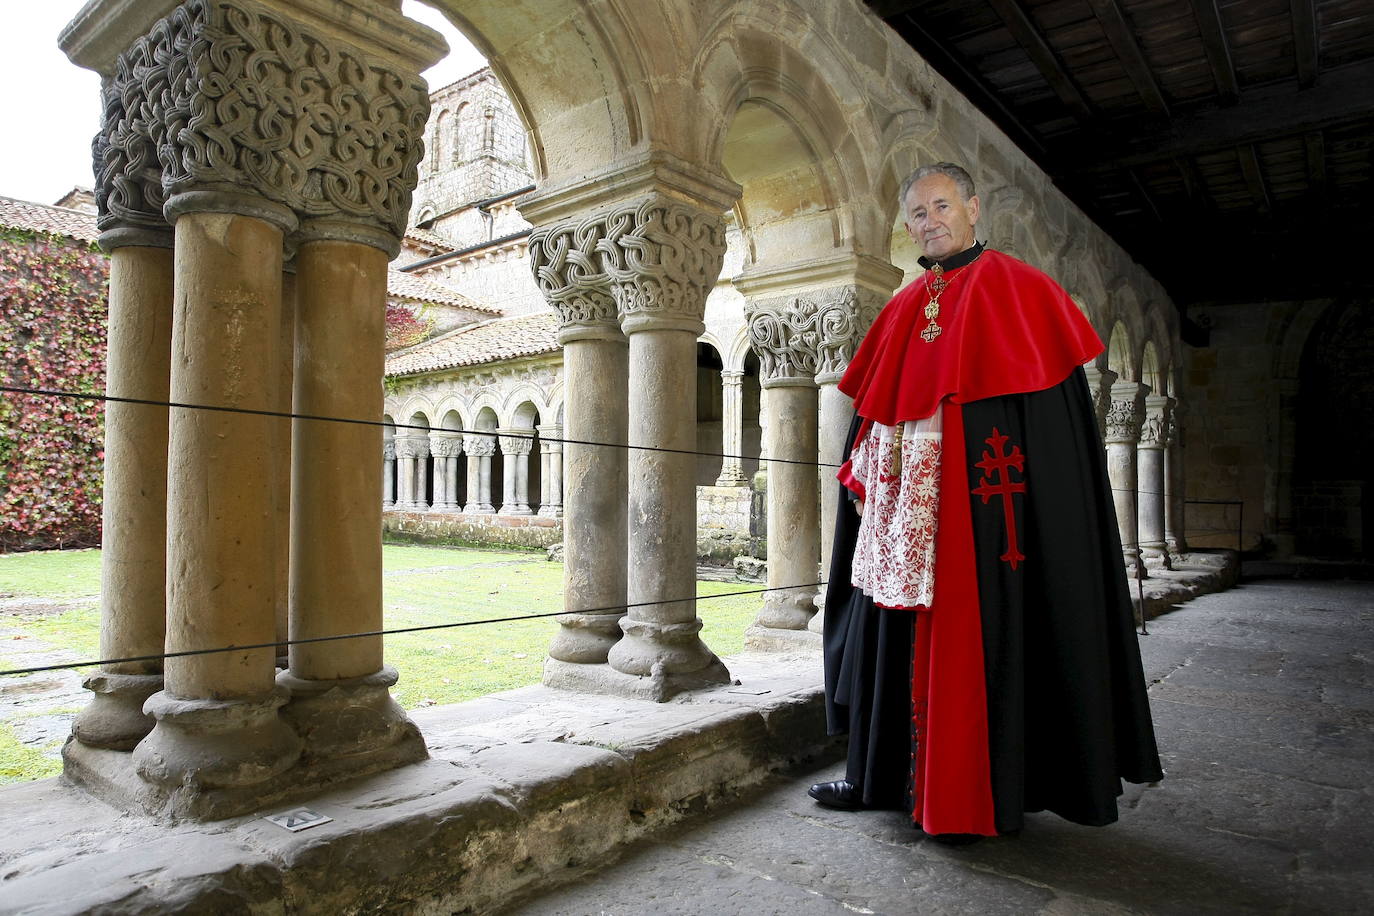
[735, 158]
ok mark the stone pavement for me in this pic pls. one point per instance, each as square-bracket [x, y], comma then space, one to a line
[1263, 698]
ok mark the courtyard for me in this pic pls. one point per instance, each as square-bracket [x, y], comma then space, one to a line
[49, 614]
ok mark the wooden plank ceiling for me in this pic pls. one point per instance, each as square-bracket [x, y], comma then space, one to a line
[1228, 145]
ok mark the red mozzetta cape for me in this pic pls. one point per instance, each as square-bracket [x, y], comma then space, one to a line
[1007, 329]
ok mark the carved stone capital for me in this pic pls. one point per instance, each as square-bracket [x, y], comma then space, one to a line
[1173, 430]
[662, 258]
[567, 267]
[1126, 413]
[412, 446]
[479, 446]
[388, 449]
[516, 441]
[445, 444]
[1154, 429]
[549, 436]
[786, 335]
[1100, 383]
[238, 97]
[844, 318]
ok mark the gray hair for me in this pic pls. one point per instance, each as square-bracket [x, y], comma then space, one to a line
[962, 180]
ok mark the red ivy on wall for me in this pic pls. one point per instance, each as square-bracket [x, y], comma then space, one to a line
[404, 328]
[52, 335]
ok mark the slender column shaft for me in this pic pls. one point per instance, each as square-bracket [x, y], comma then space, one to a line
[1123, 432]
[421, 496]
[544, 462]
[596, 372]
[1174, 518]
[388, 474]
[406, 479]
[440, 482]
[793, 508]
[281, 461]
[336, 574]
[474, 503]
[661, 624]
[555, 503]
[509, 459]
[732, 413]
[221, 557]
[1150, 458]
[835, 412]
[522, 482]
[134, 515]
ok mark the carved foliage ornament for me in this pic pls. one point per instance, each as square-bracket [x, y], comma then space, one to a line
[1124, 419]
[662, 258]
[786, 338]
[843, 324]
[231, 96]
[567, 267]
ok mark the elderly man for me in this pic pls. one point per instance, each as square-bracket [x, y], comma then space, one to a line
[980, 648]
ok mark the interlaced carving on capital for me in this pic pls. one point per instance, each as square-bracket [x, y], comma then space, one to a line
[445, 445]
[479, 446]
[567, 268]
[128, 176]
[517, 445]
[1125, 417]
[662, 258]
[786, 338]
[416, 446]
[843, 324]
[237, 98]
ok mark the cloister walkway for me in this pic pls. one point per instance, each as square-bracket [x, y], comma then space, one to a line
[1263, 698]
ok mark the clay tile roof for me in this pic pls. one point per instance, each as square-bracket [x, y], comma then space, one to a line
[488, 342]
[402, 285]
[24, 214]
[432, 239]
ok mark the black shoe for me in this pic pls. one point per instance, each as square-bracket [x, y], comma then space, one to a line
[955, 839]
[841, 795]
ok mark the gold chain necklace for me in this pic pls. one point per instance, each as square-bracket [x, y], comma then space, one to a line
[937, 286]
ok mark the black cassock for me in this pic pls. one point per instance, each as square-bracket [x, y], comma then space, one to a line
[1067, 713]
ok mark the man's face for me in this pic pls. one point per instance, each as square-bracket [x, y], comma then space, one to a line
[938, 219]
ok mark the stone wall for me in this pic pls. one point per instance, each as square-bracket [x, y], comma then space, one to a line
[532, 531]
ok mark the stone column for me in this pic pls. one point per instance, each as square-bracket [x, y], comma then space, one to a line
[732, 426]
[340, 699]
[446, 447]
[551, 472]
[406, 452]
[281, 454]
[567, 267]
[663, 257]
[1150, 464]
[516, 445]
[1124, 419]
[421, 496]
[134, 514]
[479, 450]
[784, 334]
[388, 473]
[1174, 508]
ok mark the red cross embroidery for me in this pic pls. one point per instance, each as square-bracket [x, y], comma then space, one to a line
[998, 462]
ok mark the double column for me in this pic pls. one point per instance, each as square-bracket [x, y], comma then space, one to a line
[447, 448]
[1174, 519]
[551, 471]
[516, 447]
[732, 428]
[412, 471]
[230, 733]
[650, 257]
[1125, 416]
[479, 449]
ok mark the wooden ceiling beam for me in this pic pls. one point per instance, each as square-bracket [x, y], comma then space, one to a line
[889, 8]
[1122, 38]
[1144, 194]
[1264, 114]
[1254, 176]
[1043, 56]
[1305, 41]
[1218, 50]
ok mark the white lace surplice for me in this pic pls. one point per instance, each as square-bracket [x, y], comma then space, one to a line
[899, 469]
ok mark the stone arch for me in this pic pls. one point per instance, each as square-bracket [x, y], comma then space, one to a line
[710, 417]
[451, 420]
[485, 417]
[525, 416]
[1121, 353]
[584, 112]
[520, 394]
[738, 349]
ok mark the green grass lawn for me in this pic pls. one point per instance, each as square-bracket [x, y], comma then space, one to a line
[421, 586]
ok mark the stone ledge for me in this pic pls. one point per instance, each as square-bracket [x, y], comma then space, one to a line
[521, 786]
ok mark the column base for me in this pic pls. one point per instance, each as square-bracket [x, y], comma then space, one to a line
[114, 719]
[736, 479]
[349, 727]
[585, 638]
[658, 686]
[791, 610]
[1156, 557]
[664, 650]
[550, 512]
[773, 639]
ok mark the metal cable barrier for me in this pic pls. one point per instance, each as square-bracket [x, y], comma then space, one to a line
[93, 398]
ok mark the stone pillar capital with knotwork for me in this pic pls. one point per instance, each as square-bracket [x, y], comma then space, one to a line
[1125, 412]
[567, 268]
[786, 335]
